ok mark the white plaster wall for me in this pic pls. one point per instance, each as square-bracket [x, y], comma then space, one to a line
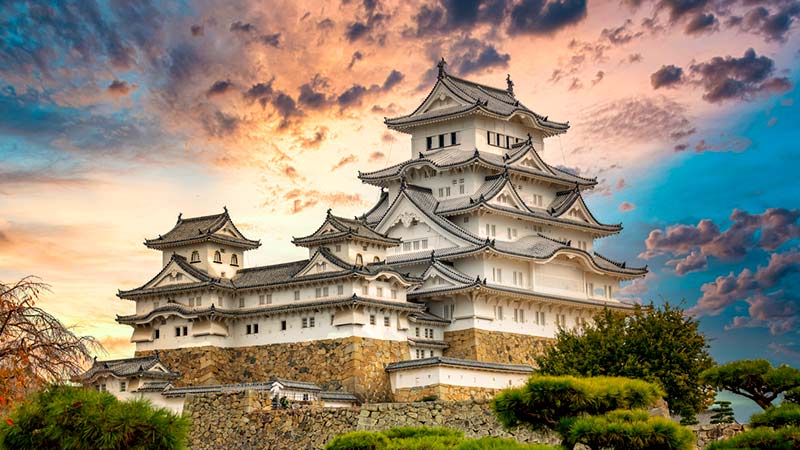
[455, 376]
[464, 126]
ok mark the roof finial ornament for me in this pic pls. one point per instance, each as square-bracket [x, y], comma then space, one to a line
[441, 66]
[529, 138]
[180, 214]
[328, 213]
[225, 208]
[433, 255]
[510, 84]
[403, 184]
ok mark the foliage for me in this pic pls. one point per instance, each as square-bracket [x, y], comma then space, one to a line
[630, 430]
[408, 438]
[585, 410]
[722, 413]
[35, 347]
[755, 379]
[761, 438]
[792, 395]
[657, 344]
[547, 402]
[73, 418]
[787, 414]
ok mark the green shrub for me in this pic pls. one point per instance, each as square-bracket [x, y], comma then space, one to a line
[787, 414]
[495, 443]
[547, 402]
[761, 439]
[408, 438]
[630, 430]
[75, 418]
[359, 440]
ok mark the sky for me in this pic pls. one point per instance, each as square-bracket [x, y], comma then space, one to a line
[116, 116]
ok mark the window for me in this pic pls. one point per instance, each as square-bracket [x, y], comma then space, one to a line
[453, 138]
[581, 245]
[518, 280]
[424, 243]
[177, 331]
[538, 200]
[419, 353]
[365, 289]
[178, 277]
[497, 274]
[252, 328]
[608, 291]
[241, 302]
[217, 257]
[359, 260]
[156, 334]
[198, 301]
[441, 140]
[386, 321]
[340, 289]
[338, 247]
[283, 325]
[376, 259]
[318, 292]
[380, 292]
[123, 386]
[394, 294]
[265, 299]
[297, 295]
[449, 311]
[460, 185]
[416, 245]
[406, 246]
[519, 315]
[305, 397]
[332, 317]
[466, 219]
[195, 256]
[429, 142]
[428, 333]
[185, 331]
[372, 319]
[234, 260]
[590, 289]
[181, 331]
[156, 304]
[498, 312]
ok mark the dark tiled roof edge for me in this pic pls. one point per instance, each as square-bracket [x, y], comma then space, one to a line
[466, 363]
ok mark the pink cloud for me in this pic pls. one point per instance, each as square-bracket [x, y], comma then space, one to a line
[626, 206]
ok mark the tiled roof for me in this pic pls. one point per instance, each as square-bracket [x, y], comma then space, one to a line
[265, 276]
[214, 311]
[426, 316]
[347, 229]
[129, 367]
[154, 386]
[241, 387]
[476, 97]
[537, 247]
[200, 229]
[450, 158]
[428, 343]
[466, 363]
[338, 396]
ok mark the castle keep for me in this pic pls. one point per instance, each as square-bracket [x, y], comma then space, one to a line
[475, 254]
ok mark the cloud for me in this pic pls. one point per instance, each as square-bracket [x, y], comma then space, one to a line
[736, 144]
[376, 156]
[476, 56]
[666, 76]
[768, 290]
[620, 35]
[447, 16]
[702, 23]
[637, 119]
[219, 87]
[773, 26]
[694, 262]
[357, 56]
[767, 231]
[197, 30]
[316, 139]
[681, 8]
[744, 78]
[241, 27]
[119, 88]
[626, 206]
[349, 159]
[220, 124]
[302, 199]
[286, 107]
[261, 92]
[393, 79]
[311, 95]
[270, 40]
[544, 17]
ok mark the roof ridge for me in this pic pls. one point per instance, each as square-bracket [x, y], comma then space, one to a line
[209, 216]
[272, 266]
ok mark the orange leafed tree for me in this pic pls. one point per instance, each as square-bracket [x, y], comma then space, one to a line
[35, 347]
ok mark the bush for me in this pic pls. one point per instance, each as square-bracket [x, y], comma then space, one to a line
[70, 418]
[630, 430]
[761, 438]
[553, 402]
[359, 440]
[407, 438]
[787, 414]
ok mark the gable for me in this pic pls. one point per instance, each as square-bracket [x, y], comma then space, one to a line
[319, 264]
[172, 274]
[405, 219]
[440, 98]
[508, 198]
[578, 212]
[229, 230]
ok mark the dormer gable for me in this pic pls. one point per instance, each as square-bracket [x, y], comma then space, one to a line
[323, 262]
[173, 274]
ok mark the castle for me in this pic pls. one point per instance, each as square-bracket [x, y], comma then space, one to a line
[475, 254]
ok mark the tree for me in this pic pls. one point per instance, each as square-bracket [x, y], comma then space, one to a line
[407, 438]
[591, 411]
[68, 417]
[785, 415]
[657, 344]
[755, 379]
[35, 347]
[722, 413]
[761, 438]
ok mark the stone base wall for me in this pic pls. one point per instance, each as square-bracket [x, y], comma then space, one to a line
[495, 346]
[444, 392]
[351, 364]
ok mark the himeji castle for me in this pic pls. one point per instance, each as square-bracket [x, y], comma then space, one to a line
[475, 254]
